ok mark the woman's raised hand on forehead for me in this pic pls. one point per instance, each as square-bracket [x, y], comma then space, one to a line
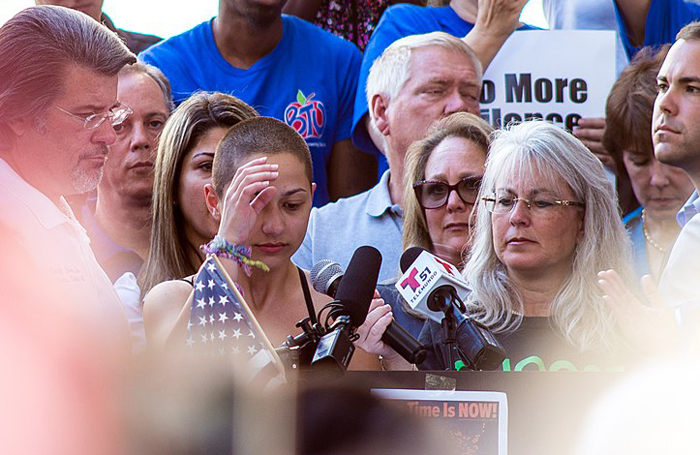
[246, 196]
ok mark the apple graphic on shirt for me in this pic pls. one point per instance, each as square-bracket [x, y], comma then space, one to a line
[306, 115]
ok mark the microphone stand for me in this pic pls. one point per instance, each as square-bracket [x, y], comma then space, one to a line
[290, 351]
[449, 330]
[449, 326]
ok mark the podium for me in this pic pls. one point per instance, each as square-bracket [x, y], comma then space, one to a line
[545, 409]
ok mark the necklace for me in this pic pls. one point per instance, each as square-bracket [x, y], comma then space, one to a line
[651, 241]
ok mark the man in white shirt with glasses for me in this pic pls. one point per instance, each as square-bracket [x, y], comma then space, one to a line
[58, 106]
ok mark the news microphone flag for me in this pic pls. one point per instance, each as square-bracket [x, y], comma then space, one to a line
[423, 276]
[222, 323]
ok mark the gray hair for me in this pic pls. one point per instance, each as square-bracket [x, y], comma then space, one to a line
[391, 70]
[37, 45]
[158, 77]
[578, 311]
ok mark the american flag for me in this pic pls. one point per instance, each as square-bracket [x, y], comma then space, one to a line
[221, 323]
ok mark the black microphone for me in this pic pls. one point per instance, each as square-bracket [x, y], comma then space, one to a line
[409, 257]
[464, 336]
[327, 275]
[353, 298]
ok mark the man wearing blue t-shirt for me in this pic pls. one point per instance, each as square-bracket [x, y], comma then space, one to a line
[652, 22]
[285, 68]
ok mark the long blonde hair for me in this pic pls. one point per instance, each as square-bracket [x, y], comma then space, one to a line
[578, 311]
[170, 255]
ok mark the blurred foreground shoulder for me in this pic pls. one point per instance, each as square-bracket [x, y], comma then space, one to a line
[161, 308]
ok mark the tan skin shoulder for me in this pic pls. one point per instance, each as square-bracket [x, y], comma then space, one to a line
[161, 310]
[171, 305]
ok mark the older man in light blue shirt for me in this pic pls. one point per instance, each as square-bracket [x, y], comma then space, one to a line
[408, 88]
[337, 229]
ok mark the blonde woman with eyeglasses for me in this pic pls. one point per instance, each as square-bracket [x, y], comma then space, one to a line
[547, 222]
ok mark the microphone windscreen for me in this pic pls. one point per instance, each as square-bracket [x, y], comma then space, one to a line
[357, 287]
[409, 257]
[323, 273]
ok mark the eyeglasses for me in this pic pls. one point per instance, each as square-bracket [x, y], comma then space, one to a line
[116, 116]
[433, 194]
[542, 205]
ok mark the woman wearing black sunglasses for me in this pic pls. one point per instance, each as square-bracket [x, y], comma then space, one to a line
[442, 174]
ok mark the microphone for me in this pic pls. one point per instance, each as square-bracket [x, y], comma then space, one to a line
[432, 287]
[353, 298]
[423, 273]
[326, 276]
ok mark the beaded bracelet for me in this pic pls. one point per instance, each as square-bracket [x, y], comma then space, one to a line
[239, 253]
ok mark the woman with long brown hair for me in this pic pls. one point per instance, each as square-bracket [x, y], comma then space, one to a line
[183, 166]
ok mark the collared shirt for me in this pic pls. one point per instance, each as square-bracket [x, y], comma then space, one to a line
[114, 259]
[689, 209]
[121, 266]
[337, 229]
[678, 285]
[55, 241]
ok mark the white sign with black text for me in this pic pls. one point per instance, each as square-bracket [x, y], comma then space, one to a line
[558, 75]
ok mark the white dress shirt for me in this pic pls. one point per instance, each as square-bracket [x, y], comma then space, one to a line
[58, 245]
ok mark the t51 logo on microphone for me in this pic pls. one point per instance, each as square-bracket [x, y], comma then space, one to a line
[411, 281]
[426, 274]
[415, 283]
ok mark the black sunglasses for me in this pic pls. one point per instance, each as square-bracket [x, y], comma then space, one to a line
[433, 194]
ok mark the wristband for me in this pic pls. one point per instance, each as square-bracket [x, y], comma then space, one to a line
[219, 246]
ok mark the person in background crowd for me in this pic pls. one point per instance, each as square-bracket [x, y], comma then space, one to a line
[484, 29]
[417, 80]
[58, 109]
[260, 197]
[286, 68]
[118, 221]
[652, 23]
[676, 137]
[183, 167]
[593, 15]
[661, 189]
[586, 15]
[547, 225]
[353, 20]
[438, 216]
[136, 42]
